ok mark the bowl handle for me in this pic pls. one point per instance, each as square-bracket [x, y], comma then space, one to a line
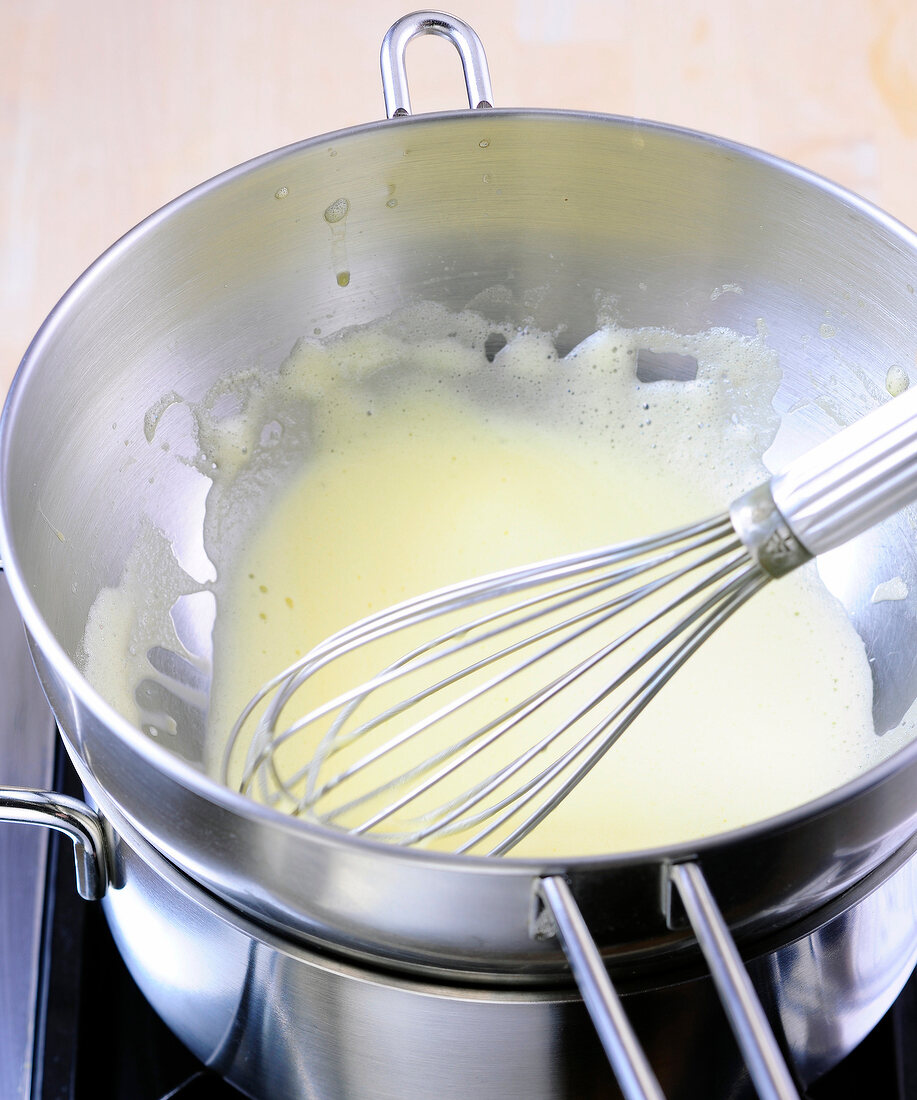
[72, 817]
[471, 51]
[766, 1066]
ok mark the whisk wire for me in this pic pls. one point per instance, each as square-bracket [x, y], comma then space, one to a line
[744, 588]
[450, 818]
[486, 735]
[282, 687]
[599, 614]
[561, 585]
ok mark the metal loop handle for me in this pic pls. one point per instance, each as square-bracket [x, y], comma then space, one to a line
[471, 51]
[635, 1077]
[72, 817]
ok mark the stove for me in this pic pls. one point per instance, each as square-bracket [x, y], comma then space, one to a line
[74, 1026]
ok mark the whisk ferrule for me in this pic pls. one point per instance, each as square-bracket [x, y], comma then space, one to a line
[766, 534]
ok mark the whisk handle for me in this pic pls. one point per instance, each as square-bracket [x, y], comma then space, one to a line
[855, 479]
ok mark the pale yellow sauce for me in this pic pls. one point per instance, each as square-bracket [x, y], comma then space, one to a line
[774, 711]
[409, 489]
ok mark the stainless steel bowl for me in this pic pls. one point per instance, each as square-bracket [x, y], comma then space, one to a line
[559, 211]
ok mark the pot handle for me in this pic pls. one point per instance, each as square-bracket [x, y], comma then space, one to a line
[766, 1066]
[471, 51]
[72, 817]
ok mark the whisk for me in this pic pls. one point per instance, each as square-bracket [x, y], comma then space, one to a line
[467, 695]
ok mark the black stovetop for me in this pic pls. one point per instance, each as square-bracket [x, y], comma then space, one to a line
[96, 1036]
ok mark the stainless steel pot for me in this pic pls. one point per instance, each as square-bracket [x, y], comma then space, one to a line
[558, 211]
[281, 1021]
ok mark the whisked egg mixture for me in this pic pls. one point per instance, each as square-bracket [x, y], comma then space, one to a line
[435, 447]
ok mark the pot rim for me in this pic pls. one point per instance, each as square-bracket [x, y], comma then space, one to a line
[186, 775]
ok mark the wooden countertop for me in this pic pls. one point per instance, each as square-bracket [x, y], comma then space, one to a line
[109, 109]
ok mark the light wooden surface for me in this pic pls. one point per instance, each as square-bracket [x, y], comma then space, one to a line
[109, 109]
